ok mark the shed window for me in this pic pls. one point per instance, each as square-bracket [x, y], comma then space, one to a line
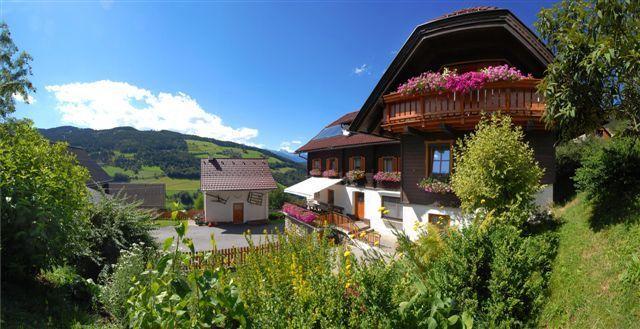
[440, 221]
[394, 206]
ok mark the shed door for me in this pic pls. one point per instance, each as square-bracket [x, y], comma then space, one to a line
[238, 213]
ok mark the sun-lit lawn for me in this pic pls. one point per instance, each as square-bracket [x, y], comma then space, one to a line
[146, 172]
[202, 149]
[174, 185]
[166, 222]
[586, 290]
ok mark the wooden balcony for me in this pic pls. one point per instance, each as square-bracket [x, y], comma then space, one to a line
[437, 111]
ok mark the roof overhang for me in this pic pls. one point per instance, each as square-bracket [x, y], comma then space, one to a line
[477, 36]
[307, 188]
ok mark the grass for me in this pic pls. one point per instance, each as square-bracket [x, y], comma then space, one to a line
[166, 222]
[202, 149]
[146, 172]
[586, 286]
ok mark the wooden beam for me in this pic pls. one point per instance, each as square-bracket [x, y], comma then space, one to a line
[413, 131]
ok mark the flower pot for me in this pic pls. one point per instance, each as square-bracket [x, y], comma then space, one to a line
[389, 185]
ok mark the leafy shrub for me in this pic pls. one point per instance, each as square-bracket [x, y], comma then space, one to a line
[495, 168]
[610, 179]
[69, 284]
[496, 272]
[121, 177]
[116, 280]
[166, 296]
[198, 203]
[115, 225]
[43, 198]
[569, 157]
[275, 215]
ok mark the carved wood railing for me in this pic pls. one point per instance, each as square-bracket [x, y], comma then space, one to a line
[519, 99]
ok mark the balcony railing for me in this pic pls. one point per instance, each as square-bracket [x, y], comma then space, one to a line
[432, 111]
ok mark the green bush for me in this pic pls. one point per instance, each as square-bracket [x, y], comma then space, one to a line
[43, 198]
[116, 280]
[497, 273]
[569, 157]
[115, 225]
[275, 215]
[495, 169]
[610, 179]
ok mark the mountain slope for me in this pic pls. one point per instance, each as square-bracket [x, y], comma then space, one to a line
[291, 156]
[148, 155]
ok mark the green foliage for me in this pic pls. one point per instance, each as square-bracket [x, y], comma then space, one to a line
[116, 280]
[497, 273]
[495, 169]
[277, 198]
[167, 297]
[595, 76]
[14, 74]
[199, 202]
[121, 177]
[43, 200]
[276, 215]
[610, 179]
[569, 157]
[115, 225]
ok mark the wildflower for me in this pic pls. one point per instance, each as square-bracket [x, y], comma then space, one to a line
[347, 253]
[482, 201]
[347, 285]
[381, 209]
[363, 234]
[376, 243]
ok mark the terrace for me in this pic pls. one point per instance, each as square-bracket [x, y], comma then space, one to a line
[445, 111]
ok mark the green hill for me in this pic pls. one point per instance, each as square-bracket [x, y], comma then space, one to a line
[595, 281]
[166, 156]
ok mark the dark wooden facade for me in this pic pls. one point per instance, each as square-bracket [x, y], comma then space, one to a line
[370, 153]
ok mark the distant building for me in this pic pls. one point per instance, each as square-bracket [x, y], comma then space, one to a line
[236, 190]
[151, 196]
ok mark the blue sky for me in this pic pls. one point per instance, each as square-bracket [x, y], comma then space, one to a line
[262, 73]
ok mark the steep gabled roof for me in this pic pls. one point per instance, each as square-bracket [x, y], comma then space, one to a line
[340, 140]
[97, 175]
[235, 174]
[476, 34]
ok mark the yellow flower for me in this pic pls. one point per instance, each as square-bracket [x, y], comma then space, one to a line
[347, 285]
[381, 209]
[348, 266]
[482, 201]
[376, 243]
[363, 234]
[385, 212]
[347, 253]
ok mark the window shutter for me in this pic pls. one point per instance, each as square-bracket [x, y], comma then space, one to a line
[399, 167]
[380, 164]
[351, 163]
[363, 165]
[327, 164]
[395, 164]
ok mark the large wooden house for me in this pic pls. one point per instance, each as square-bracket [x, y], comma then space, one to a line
[424, 126]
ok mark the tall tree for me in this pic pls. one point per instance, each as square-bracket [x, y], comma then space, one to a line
[14, 73]
[595, 76]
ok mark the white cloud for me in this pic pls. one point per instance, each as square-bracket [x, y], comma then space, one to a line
[289, 146]
[106, 104]
[362, 69]
[18, 98]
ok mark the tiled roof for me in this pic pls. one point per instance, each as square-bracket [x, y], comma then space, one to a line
[343, 141]
[353, 139]
[345, 119]
[235, 175]
[466, 11]
[96, 173]
[150, 195]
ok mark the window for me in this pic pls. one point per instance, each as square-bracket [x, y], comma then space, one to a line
[330, 197]
[389, 164]
[332, 163]
[315, 164]
[356, 162]
[440, 221]
[394, 206]
[440, 159]
[329, 132]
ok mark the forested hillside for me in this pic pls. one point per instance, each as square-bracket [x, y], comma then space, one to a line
[165, 155]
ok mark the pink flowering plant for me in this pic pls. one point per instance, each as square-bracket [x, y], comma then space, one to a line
[460, 83]
[391, 177]
[355, 175]
[435, 185]
[330, 173]
[299, 213]
[315, 172]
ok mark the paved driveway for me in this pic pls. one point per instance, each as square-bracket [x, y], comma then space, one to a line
[227, 236]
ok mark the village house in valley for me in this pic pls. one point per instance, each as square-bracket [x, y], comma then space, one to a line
[236, 190]
[409, 137]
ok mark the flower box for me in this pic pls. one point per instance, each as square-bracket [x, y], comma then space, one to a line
[315, 173]
[330, 173]
[356, 177]
[435, 185]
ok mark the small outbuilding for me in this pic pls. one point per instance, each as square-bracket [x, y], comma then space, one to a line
[236, 190]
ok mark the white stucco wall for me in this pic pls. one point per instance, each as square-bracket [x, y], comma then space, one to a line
[223, 213]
